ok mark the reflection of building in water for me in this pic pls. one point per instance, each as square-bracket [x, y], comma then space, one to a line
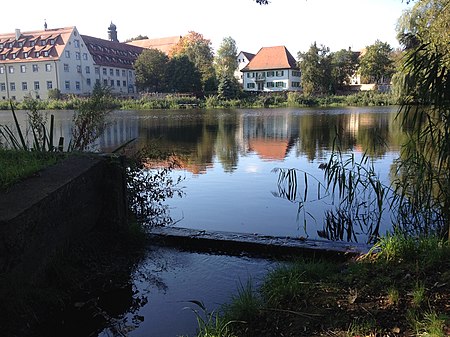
[118, 131]
[271, 137]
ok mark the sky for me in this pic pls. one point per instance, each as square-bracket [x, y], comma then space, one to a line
[296, 24]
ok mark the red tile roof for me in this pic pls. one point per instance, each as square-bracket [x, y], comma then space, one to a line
[110, 53]
[272, 58]
[164, 44]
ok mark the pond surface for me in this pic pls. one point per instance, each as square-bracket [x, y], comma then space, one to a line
[227, 160]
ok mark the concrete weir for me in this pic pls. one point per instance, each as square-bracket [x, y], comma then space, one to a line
[254, 244]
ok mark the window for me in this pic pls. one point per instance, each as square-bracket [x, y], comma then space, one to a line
[88, 82]
[97, 81]
[35, 68]
[104, 71]
[67, 53]
[295, 73]
[11, 69]
[97, 70]
[37, 54]
[1, 45]
[124, 83]
[296, 84]
[13, 56]
[77, 55]
[105, 82]
[25, 55]
[280, 84]
[280, 73]
[85, 56]
[2, 70]
[42, 42]
[23, 68]
[36, 85]
[20, 44]
[76, 43]
[32, 43]
[49, 85]
[66, 67]
[77, 85]
[12, 86]
[112, 83]
[269, 85]
[124, 73]
[130, 73]
[24, 86]
[78, 69]
[48, 67]
[250, 85]
[52, 42]
[270, 73]
[88, 70]
[67, 85]
[111, 72]
[2, 86]
[118, 83]
[117, 72]
[46, 53]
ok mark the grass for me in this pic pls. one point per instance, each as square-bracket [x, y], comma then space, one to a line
[398, 289]
[17, 165]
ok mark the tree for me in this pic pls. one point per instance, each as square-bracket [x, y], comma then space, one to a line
[182, 75]
[200, 53]
[344, 64]
[226, 59]
[228, 86]
[139, 37]
[315, 66]
[376, 63]
[424, 80]
[150, 67]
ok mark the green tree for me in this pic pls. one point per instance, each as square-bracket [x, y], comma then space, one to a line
[182, 75]
[139, 37]
[315, 66]
[377, 65]
[150, 67]
[344, 64]
[228, 87]
[199, 51]
[226, 59]
[424, 82]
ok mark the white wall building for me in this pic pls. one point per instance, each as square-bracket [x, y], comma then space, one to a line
[272, 69]
[32, 63]
[243, 59]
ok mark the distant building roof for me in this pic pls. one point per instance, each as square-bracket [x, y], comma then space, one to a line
[39, 45]
[110, 53]
[164, 44]
[272, 58]
[249, 56]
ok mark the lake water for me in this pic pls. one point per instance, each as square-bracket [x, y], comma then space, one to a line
[227, 160]
[228, 157]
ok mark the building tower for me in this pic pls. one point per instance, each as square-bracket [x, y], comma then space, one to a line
[112, 32]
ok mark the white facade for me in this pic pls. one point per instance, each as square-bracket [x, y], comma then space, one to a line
[33, 63]
[272, 80]
[243, 59]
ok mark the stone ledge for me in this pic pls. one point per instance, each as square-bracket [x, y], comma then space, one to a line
[238, 243]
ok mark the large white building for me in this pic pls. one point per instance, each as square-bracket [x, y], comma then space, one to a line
[32, 63]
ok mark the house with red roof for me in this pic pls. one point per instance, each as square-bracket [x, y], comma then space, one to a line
[272, 69]
[243, 59]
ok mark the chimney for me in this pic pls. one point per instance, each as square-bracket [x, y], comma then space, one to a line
[18, 34]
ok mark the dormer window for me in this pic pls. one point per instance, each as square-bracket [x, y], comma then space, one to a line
[1, 45]
[37, 54]
[10, 45]
[32, 43]
[25, 55]
[13, 56]
[42, 42]
[20, 44]
[45, 53]
[52, 42]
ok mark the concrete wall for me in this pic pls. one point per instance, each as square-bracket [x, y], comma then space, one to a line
[62, 203]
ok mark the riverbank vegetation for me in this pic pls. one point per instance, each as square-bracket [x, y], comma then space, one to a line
[398, 289]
